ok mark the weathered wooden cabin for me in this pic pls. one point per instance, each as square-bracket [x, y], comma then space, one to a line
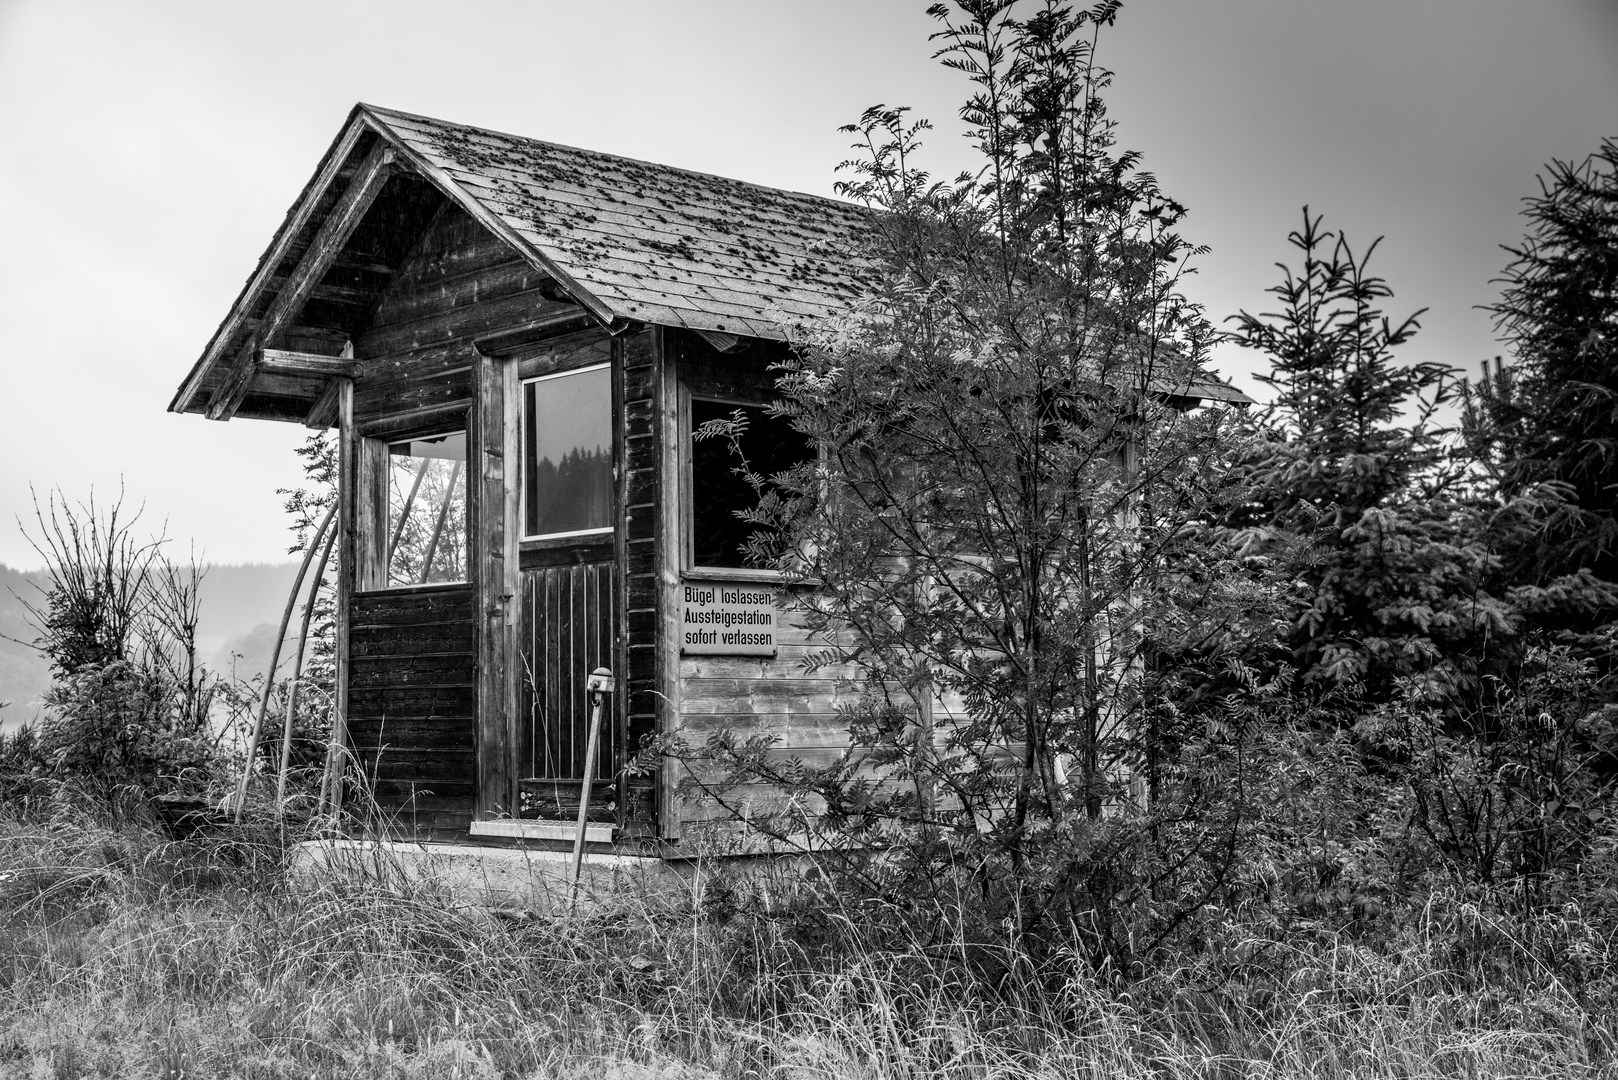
[515, 341]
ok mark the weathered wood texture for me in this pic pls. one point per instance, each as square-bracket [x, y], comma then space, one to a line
[426, 684]
[370, 514]
[348, 444]
[411, 688]
[461, 283]
[749, 696]
[316, 366]
[640, 543]
[774, 696]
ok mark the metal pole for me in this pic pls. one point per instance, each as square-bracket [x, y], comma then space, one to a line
[599, 686]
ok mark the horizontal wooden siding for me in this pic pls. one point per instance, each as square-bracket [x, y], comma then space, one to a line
[412, 705]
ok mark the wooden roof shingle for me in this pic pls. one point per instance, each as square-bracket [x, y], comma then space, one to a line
[651, 243]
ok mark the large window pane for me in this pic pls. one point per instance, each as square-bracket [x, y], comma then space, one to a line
[567, 453]
[427, 539]
[768, 446]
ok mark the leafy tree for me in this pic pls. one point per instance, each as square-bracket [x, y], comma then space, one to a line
[1006, 463]
[129, 703]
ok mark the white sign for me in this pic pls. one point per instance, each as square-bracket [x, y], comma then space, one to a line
[727, 620]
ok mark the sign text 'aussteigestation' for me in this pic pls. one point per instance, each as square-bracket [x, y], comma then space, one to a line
[727, 620]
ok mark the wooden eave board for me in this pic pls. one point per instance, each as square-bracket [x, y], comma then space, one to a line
[293, 236]
[653, 243]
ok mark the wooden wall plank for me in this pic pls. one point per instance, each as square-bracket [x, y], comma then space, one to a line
[776, 696]
[411, 687]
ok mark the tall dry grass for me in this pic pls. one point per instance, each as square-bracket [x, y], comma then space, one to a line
[123, 954]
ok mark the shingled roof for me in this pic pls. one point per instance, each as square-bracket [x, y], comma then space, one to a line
[649, 242]
[627, 240]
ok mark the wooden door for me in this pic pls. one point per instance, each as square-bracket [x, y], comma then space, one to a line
[569, 625]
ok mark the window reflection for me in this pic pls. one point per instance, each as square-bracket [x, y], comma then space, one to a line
[567, 453]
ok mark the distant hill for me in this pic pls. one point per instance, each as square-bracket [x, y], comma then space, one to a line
[237, 598]
[23, 672]
[241, 607]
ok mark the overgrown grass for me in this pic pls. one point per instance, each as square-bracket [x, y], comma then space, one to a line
[124, 954]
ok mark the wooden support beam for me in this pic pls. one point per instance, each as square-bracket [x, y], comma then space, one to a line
[313, 365]
[347, 454]
[324, 413]
[345, 215]
[494, 453]
[721, 341]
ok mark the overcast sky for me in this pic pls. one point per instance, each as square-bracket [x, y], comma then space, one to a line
[149, 150]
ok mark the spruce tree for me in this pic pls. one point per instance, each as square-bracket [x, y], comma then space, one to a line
[1353, 494]
[1545, 426]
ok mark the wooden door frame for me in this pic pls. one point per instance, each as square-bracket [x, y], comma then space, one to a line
[493, 456]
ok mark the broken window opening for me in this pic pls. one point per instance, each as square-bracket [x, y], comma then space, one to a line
[427, 519]
[744, 438]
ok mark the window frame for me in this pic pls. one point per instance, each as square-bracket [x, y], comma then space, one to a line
[689, 567]
[596, 535]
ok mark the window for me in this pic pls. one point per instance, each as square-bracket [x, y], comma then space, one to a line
[768, 445]
[567, 455]
[427, 526]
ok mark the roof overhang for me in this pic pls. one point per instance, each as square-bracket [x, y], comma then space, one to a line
[264, 318]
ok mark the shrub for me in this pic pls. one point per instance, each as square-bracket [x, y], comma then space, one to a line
[129, 706]
[118, 724]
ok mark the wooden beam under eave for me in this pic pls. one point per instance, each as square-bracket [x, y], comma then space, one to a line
[314, 365]
[324, 413]
[721, 341]
[340, 223]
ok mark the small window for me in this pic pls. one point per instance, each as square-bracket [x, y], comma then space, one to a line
[760, 443]
[567, 454]
[427, 527]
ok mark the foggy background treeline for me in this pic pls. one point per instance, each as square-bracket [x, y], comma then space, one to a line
[240, 603]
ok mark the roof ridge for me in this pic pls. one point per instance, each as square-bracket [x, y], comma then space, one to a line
[384, 112]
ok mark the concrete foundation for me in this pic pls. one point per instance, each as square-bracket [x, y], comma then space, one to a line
[506, 878]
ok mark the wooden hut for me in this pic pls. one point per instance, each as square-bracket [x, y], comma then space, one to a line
[515, 341]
